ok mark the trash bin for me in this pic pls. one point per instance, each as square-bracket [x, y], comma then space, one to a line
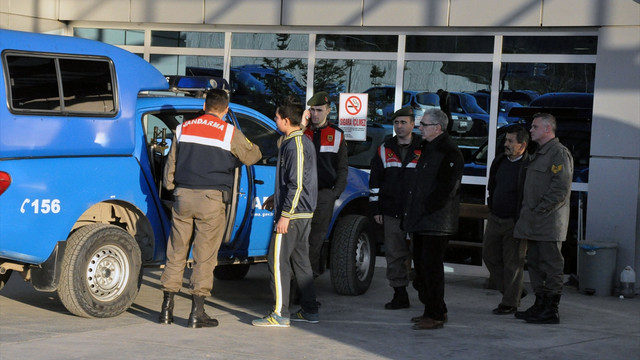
[597, 267]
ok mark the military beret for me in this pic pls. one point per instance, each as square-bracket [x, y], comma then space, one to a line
[405, 111]
[319, 98]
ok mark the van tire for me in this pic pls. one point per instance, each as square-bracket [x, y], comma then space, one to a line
[352, 255]
[4, 278]
[231, 272]
[114, 257]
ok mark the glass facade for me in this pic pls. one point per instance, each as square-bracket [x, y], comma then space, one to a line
[462, 74]
[187, 39]
[259, 41]
[450, 44]
[112, 36]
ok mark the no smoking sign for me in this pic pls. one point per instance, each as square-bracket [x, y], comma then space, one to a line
[352, 116]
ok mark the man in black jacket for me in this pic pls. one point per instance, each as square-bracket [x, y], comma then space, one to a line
[293, 204]
[503, 254]
[391, 170]
[432, 214]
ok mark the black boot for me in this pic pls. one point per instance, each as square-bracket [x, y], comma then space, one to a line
[549, 313]
[400, 299]
[166, 313]
[537, 306]
[198, 318]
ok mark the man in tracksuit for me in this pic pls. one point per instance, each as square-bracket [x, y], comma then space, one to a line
[392, 168]
[293, 203]
[200, 167]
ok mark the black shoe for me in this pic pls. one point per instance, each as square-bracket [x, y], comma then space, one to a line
[203, 320]
[397, 305]
[400, 299]
[549, 313]
[198, 318]
[504, 310]
[166, 313]
[537, 307]
[417, 319]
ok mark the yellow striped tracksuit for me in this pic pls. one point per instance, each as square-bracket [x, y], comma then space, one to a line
[295, 198]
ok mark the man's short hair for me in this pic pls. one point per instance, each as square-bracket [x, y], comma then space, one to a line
[548, 119]
[217, 100]
[438, 117]
[291, 108]
[522, 135]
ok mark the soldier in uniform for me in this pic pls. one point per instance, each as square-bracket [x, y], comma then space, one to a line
[392, 168]
[544, 218]
[199, 170]
[331, 153]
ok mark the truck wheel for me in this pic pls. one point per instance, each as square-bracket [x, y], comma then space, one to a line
[101, 271]
[4, 278]
[231, 272]
[352, 256]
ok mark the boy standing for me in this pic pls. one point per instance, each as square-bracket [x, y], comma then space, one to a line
[293, 203]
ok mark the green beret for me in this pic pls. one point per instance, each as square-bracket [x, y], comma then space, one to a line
[405, 111]
[319, 98]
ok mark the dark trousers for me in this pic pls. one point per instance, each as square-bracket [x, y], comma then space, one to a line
[396, 251]
[428, 259]
[504, 256]
[546, 266]
[289, 252]
[319, 226]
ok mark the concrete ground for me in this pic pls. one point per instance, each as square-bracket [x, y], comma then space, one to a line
[35, 325]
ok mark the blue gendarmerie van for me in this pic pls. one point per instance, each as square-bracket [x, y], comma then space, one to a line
[84, 131]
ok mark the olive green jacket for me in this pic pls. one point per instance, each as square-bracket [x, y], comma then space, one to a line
[547, 190]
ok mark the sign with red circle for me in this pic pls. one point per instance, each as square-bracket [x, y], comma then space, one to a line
[352, 117]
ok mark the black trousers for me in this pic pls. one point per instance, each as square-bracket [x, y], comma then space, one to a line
[428, 259]
[319, 226]
[289, 253]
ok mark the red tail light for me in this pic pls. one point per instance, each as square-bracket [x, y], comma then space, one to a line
[5, 181]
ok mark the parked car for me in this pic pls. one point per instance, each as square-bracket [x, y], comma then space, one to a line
[81, 157]
[465, 103]
[484, 99]
[382, 104]
[256, 86]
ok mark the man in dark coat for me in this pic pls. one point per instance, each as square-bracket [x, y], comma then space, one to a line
[502, 253]
[432, 214]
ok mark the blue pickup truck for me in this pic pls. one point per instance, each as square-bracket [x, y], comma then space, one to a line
[84, 131]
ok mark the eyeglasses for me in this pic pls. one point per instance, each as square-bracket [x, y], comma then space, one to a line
[425, 124]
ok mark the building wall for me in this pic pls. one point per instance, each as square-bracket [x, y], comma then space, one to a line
[614, 172]
[37, 15]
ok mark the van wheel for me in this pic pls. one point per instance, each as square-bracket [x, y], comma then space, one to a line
[231, 272]
[101, 271]
[352, 256]
[4, 278]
